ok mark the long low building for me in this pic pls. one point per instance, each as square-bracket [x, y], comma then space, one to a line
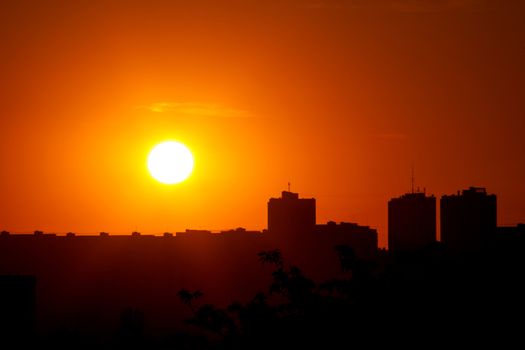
[91, 279]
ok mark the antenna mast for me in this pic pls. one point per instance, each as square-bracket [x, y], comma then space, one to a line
[412, 178]
[288, 186]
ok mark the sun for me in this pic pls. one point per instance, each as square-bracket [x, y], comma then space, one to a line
[170, 162]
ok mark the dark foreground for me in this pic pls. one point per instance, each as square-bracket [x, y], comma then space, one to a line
[423, 299]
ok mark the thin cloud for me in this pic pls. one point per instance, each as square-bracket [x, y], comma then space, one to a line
[407, 6]
[323, 5]
[429, 6]
[196, 109]
[393, 136]
[334, 4]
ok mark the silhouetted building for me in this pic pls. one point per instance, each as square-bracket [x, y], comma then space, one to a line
[518, 230]
[291, 214]
[17, 306]
[512, 237]
[193, 233]
[239, 232]
[411, 222]
[362, 239]
[469, 219]
[42, 234]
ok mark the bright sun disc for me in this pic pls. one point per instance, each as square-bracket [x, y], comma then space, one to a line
[170, 162]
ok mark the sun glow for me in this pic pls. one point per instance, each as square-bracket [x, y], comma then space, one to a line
[170, 162]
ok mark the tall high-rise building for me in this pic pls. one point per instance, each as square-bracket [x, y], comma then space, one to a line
[468, 219]
[291, 214]
[411, 222]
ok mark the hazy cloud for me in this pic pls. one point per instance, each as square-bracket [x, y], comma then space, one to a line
[415, 6]
[323, 4]
[196, 109]
[428, 5]
[392, 136]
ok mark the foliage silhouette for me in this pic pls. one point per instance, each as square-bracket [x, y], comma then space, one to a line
[188, 297]
[395, 300]
[271, 257]
[295, 310]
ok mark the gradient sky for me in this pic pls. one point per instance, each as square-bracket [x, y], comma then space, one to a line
[338, 97]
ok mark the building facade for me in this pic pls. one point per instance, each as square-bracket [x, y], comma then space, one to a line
[468, 219]
[291, 214]
[411, 222]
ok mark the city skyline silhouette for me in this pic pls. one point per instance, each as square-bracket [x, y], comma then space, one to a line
[263, 174]
[78, 285]
[284, 222]
[330, 98]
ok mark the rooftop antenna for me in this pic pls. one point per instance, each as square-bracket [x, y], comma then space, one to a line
[288, 186]
[412, 178]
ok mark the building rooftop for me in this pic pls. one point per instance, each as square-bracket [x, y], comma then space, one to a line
[289, 195]
[471, 192]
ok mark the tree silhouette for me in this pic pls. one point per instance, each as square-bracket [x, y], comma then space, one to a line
[271, 257]
[187, 297]
[346, 256]
[213, 319]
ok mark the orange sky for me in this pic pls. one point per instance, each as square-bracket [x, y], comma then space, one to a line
[338, 97]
